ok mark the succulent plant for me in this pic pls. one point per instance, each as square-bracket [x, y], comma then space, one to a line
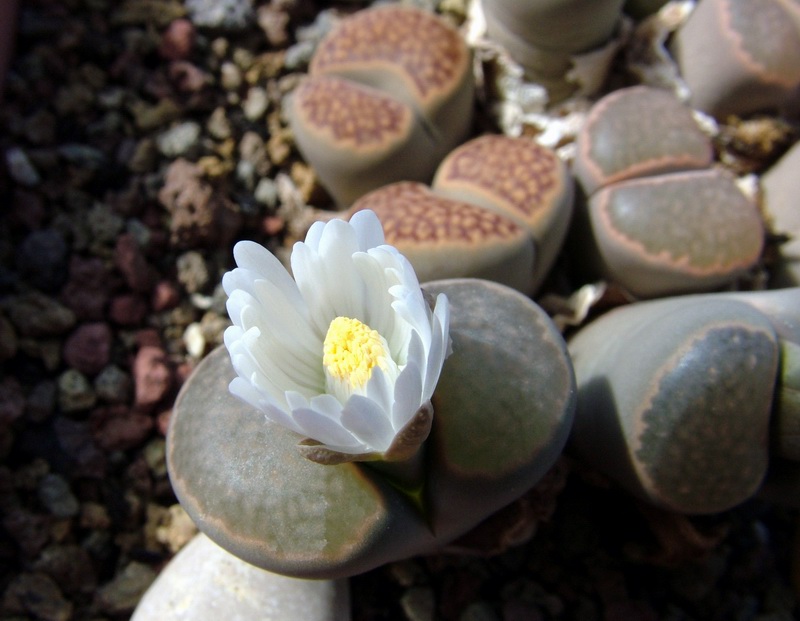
[499, 208]
[348, 499]
[390, 92]
[739, 56]
[676, 396]
[545, 36]
[657, 220]
[204, 582]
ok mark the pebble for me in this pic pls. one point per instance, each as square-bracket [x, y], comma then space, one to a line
[120, 596]
[179, 140]
[41, 259]
[128, 309]
[152, 376]
[113, 385]
[192, 271]
[176, 530]
[104, 224]
[75, 439]
[37, 315]
[266, 193]
[37, 594]
[299, 55]
[177, 40]
[218, 124]
[20, 168]
[75, 392]
[70, 566]
[88, 348]
[57, 497]
[227, 14]
[255, 103]
[149, 117]
[117, 428]
[87, 289]
[419, 604]
[230, 76]
[130, 260]
[194, 340]
[166, 295]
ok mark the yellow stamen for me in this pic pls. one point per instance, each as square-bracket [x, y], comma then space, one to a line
[351, 350]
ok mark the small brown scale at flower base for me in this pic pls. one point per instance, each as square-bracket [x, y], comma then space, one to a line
[410, 213]
[520, 174]
[429, 54]
[353, 116]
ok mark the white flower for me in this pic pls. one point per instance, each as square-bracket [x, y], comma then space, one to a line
[348, 353]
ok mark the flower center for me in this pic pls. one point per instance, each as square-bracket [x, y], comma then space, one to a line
[350, 351]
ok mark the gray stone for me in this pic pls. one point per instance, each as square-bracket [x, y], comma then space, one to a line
[55, 494]
[42, 259]
[75, 392]
[36, 315]
[113, 385]
[179, 140]
[228, 14]
[20, 167]
[121, 595]
[204, 583]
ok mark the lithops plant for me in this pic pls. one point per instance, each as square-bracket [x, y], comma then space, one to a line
[657, 220]
[740, 56]
[676, 397]
[390, 92]
[447, 238]
[499, 208]
[394, 463]
[203, 582]
[780, 187]
[545, 36]
[636, 132]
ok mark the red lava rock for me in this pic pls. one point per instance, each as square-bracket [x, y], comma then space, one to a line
[130, 260]
[118, 428]
[128, 309]
[152, 376]
[87, 290]
[12, 400]
[177, 40]
[88, 348]
[199, 215]
[187, 77]
[166, 295]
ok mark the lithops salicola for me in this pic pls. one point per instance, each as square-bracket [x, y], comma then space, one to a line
[499, 208]
[390, 91]
[780, 187]
[658, 220]
[543, 36]
[675, 399]
[740, 56]
[249, 489]
[638, 131]
[518, 178]
[448, 238]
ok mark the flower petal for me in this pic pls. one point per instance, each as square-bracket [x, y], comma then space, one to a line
[368, 229]
[366, 421]
[407, 395]
[323, 429]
